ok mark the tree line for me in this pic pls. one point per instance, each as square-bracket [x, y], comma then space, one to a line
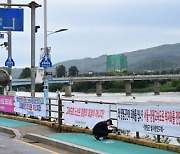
[60, 72]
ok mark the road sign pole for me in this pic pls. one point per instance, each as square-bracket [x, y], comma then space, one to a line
[33, 7]
[9, 51]
[46, 84]
[32, 50]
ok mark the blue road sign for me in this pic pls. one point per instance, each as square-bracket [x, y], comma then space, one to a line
[45, 62]
[1, 36]
[49, 77]
[9, 62]
[11, 19]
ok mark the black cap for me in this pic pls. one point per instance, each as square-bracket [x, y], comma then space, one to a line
[110, 121]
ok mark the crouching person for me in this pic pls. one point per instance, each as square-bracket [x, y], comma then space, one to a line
[101, 129]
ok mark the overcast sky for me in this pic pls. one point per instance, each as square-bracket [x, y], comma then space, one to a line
[96, 27]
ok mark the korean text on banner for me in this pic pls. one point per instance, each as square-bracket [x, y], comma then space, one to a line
[30, 106]
[161, 120]
[85, 115]
[7, 104]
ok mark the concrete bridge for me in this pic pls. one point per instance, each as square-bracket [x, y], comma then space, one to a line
[68, 81]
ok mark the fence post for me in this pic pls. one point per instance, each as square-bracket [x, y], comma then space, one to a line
[59, 112]
[158, 139]
[49, 110]
[137, 134]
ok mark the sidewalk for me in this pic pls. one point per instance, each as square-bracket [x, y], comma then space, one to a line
[74, 142]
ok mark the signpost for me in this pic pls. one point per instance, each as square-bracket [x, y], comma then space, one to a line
[49, 76]
[9, 62]
[11, 19]
[45, 62]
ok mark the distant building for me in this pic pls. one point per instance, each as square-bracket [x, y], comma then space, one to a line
[116, 63]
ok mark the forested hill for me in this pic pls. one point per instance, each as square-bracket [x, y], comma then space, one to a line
[156, 58]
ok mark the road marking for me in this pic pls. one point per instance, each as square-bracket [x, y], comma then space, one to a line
[37, 147]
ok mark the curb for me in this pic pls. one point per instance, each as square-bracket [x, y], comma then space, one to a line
[10, 131]
[62, 145]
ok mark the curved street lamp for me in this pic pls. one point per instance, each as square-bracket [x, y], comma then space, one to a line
[57, 31]
[46, 52]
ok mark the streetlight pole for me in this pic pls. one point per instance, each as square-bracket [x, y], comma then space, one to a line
[33, 51]
[45, 24]
[33, 7]
[46, 52]
[9, 50]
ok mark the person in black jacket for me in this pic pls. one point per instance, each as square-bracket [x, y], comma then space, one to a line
[101, 129]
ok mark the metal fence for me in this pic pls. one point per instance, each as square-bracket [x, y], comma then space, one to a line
[56, 114]
[56, 105]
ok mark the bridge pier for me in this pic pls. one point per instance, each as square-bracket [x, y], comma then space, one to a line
[156, 87]
[67, 90]
[98, 88]
[128, 87]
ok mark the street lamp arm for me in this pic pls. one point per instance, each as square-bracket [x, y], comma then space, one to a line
[57, 31]
[50, 33]
[60, 30]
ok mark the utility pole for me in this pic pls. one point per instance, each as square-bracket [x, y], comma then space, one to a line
[46, 87]
[33, 5]
[9, 50]
[33, 50]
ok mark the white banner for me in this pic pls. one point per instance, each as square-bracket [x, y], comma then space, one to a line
[161, 120]
[85, 115]
[30, 106]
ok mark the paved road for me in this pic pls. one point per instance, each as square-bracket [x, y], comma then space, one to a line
[9, 145]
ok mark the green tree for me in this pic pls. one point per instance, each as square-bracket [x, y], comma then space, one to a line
[73, 71]
[26, 73]
[60, 71]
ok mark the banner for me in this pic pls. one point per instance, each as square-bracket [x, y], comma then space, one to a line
[85, 115]
[7, 104]
[30, 106]
[161, 120]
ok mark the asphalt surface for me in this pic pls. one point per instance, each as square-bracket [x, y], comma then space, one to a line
[16, 143]
[9, 145]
